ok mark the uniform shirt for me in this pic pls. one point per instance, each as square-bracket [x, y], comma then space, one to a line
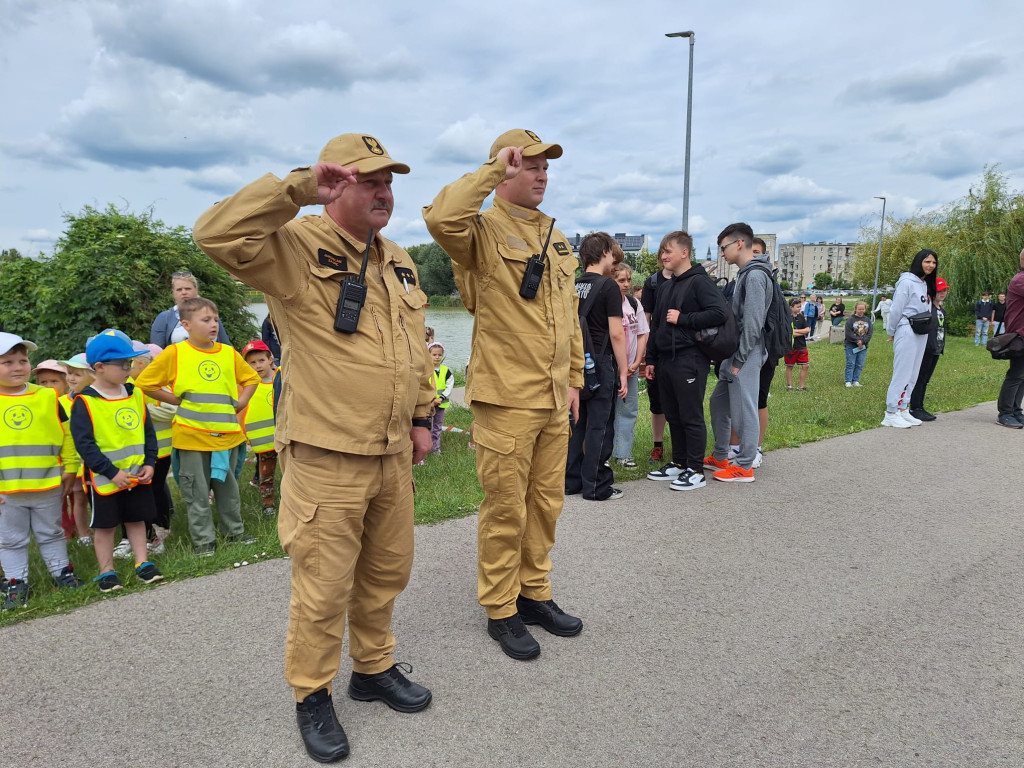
[348, 392]
[526, 352]
[161, 373]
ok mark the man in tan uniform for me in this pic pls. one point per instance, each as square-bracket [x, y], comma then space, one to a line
[523, 378]
[352, 419]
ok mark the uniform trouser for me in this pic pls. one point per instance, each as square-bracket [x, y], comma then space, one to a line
[907, 350]
[626, 412]
[980, 332]
[195, 483]
[346, 521]
[684, 380]
[734, 407]
[520, 461]
[1012, 392]
[591, 438]
[37, 513]
[924, 375]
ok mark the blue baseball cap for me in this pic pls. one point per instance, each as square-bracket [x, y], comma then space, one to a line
[109, 345]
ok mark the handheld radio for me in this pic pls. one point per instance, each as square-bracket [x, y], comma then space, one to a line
[352, 296]
[535, 269]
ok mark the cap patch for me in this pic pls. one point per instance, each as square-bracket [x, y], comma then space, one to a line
[373, 145]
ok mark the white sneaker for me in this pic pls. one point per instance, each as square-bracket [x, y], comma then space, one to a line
[668, 472]
[758, 458]
[689, 481]
[849, 383]
[905, 415]
[856, 383]
[123, 550]
[892, 420]
[85, 541]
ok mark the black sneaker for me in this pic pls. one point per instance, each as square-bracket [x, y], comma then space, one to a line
[148, 573]
[322, 734]
[66, 579]
[516, 640]
[922, 414]
[668, 472]
[391, 687]
[1009, 421]
[242, 538]
[16, 595]
[204, 550]
[547, 614]
[108, 582]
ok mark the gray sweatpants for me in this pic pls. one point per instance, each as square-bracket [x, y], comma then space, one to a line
[907, 351]
[37, 513]
[734, 406]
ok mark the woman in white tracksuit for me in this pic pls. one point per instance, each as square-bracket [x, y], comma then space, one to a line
[914, 293]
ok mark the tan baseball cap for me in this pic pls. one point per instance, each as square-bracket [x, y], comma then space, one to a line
[361, 150]
[529, 141]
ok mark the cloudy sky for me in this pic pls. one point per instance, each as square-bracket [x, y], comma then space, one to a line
[802, 111]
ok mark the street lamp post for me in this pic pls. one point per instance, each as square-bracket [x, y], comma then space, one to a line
[878, 261]
[689, 113]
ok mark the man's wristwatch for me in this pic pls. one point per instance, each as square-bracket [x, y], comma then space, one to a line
[425, 423]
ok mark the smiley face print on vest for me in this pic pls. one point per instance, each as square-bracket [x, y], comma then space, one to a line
[127, 418]
[209, 370]
[18, 417]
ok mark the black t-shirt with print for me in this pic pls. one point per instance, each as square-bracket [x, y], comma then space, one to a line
[607, 303]
[799, 342]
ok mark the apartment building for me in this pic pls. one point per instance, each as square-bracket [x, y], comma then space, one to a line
[798, 263]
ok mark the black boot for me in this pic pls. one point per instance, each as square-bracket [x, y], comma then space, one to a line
[322, 734]
[391, 687]
[548, 615]
[516, 640]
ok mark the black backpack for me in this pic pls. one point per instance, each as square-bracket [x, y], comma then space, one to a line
[716, 342]
[778, 321]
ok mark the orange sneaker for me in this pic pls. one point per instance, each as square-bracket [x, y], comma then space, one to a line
[710, 462]
[734, 474]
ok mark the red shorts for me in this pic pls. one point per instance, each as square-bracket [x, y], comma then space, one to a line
[797, 357]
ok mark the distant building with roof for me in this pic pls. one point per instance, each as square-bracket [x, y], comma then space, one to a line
[800, 262]
[630, 244]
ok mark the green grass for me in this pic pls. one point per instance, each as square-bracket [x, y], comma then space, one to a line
[446, 487]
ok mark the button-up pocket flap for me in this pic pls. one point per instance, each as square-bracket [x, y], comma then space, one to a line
[303, 509]
[328, 273]
[510, 254]
[415, 298]
[568, 266]
[498, 442]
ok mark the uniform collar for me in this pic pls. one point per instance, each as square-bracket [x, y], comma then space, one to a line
[358, 245]
[517, 212]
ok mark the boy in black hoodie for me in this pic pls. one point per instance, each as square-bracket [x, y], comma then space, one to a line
[689, 302]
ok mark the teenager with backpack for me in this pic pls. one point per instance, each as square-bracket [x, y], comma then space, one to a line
[593, 434]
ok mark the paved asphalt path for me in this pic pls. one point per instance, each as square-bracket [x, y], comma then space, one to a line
[870, 617]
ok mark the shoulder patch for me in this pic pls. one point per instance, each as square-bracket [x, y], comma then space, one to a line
[406, 275]
[328, 259]
[561, 248]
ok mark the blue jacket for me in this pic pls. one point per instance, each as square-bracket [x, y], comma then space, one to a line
[167, 321]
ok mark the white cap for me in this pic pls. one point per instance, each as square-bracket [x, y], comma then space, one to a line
[9, 341]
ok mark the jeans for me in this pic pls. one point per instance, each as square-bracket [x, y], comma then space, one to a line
[855, 357]
[626, 412]
[980, 332]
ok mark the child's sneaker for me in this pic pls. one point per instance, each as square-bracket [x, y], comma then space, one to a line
[689, 481]
[16, 595]
[123, 550]
[710, 462]
[758, 458]
[66, 579]
[627, 463]
[657, 453]
[108, 582]
[148, 573]
[269, 510]
[734, 473]
[668, 472]
[85, 541]
[204, 550]
[243, 538]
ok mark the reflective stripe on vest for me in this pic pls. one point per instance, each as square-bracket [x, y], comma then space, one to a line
[118, 427]
[259, 419]
[440, 377]
[206, 384]
[31, 435]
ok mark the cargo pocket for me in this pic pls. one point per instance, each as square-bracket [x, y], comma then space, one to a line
[297, 530]
[496, 462]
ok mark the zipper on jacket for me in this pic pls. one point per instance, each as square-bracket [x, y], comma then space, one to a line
[380, 333]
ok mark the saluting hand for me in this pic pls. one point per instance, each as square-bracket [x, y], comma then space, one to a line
[512, 157]
[332, 179]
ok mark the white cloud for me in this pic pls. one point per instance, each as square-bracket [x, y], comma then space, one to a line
[221, 179]
[788, 189]
[465, 142]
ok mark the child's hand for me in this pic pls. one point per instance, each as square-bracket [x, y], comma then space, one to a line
[437, 401]
[121, 479]
[145, 474]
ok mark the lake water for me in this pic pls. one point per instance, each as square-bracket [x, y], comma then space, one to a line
[453, 327]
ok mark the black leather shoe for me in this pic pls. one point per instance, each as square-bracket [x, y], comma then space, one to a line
[322, 734]
[516, 640]
[391, 687]
[922, 414]
[548, 615]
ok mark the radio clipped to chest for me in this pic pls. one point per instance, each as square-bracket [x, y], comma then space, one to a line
[535, 269]
[352, 296]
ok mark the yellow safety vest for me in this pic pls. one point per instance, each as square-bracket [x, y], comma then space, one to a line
[440, 377]
[118, 427]
[259, 418]
[66, 401]
[163, 431]
[31, 437]
[206, 383]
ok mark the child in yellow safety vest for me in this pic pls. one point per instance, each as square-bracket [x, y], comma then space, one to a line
[444, 381]
[115, 438]
[37, 469]
[210, 383]
[79, 377]
[258, 420]
[50, 373]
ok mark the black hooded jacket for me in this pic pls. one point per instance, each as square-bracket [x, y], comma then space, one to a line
[700, 304]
